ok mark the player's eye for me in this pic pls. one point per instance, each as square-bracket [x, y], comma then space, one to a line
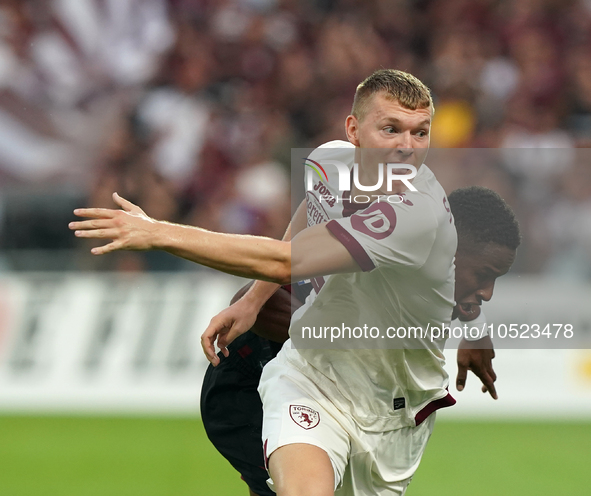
[422, 133]
[390, 130]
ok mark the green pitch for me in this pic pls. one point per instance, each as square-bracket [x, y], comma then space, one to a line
[509, 459]
[92, 456]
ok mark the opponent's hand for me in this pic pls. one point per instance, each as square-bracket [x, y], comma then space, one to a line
[129, 228]
[227, 326]
[477, 356]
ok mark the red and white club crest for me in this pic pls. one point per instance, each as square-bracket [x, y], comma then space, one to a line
[303, 416]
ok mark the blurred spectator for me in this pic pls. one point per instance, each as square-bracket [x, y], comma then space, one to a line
[566, 225]
[190, 107]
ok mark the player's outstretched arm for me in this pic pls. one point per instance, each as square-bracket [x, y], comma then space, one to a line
[316, 251]
[131, 229]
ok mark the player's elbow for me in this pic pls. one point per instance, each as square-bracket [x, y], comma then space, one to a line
[281, 272]
[285, 279]
[277, 267]
[278, 272]
[284, 265]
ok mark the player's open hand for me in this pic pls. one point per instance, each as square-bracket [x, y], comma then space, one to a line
[477, 356]
[227, 326]
[129, 228]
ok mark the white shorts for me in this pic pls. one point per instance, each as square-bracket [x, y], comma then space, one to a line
[365, 463]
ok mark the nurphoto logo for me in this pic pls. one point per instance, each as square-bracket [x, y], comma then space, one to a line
[344, 174]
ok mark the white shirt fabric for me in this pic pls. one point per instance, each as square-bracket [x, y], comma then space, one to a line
[406, 253]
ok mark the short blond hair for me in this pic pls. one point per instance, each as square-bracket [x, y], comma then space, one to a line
[397, 85]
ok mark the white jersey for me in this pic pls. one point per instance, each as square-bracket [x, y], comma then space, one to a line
[405, 251]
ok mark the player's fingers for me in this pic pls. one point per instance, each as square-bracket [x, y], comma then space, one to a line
[213, 327]
[225, 339]
[488, 368]
[84, 225]
[217, 328]
[95, 213]
[492, 373]
[234, 331]
[209, 349]
[99, 234]
[126, 204]
[461, 377]
[489, 385]
[102, 250]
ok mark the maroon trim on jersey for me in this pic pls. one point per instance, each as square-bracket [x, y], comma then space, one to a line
[444, 402]
[317, 283]
[352, 245]
[265, 454]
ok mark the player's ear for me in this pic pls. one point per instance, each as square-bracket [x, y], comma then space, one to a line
[352, 129]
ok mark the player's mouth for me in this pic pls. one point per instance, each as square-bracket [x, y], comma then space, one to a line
[402, 171]
[468, 310]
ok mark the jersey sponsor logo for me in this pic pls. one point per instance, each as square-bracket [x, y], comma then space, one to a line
[304, 416]
[325, 194]
[399, 403]
[316, 212]
[378, 221]
[447, 209]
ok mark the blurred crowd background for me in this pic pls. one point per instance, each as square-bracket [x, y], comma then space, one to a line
[190, 108]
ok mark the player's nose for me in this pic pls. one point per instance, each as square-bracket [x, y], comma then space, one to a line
[404, 143]
[486, 292]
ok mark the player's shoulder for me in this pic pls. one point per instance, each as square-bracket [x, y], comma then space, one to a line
[428, 203]
[429, 188]
[439, 199]
[337, 144]
[334, 150]
[426, 182]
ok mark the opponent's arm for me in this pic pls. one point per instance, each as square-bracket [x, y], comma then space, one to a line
[313, 252]
[243, 311]
[260, 291]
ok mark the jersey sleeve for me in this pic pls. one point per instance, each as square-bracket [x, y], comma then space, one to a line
[388, 234]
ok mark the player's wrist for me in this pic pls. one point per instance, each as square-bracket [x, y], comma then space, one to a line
[174, 238]
[160, 237]
[258, 294]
